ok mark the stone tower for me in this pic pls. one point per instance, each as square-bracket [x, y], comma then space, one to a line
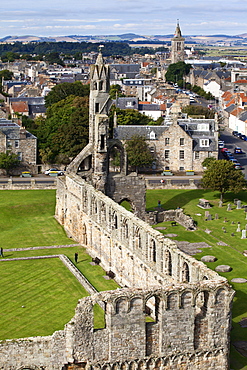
[177, 52]
[93, 162]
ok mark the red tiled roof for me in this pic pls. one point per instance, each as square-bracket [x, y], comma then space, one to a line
[237, 111]
[241, 82]
[20, 106]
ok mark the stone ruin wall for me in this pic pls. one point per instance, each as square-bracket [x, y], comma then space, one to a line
[137, 254]
[190, 305]
[189, 331]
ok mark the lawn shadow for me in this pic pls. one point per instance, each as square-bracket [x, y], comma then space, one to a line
[181, 199]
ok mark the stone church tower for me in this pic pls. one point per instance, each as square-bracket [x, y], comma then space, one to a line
[93, 163]
[177, 52]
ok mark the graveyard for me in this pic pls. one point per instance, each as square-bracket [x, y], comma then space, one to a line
[221, 233]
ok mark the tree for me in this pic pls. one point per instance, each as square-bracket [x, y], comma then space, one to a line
[198, 110]
[176, 71]
[63, 90]
[64, 131]
[138, 152]
[8, 161]
[222, 176]
[115, 91]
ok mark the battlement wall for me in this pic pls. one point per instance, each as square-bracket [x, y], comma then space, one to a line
[188, 328]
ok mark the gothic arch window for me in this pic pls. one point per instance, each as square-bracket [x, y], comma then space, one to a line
[100, 85]
[103, 212]
[125, 229]
[185, 272]
[114, 221]
[201, 320]
[138, 238]
[168, 263]
[153, 251]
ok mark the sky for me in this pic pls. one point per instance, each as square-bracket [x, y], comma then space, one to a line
[115, 17]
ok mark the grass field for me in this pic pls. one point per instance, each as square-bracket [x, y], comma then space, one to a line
[46, 288]
[227, 255]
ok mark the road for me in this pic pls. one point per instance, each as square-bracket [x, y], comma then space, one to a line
[232, 142]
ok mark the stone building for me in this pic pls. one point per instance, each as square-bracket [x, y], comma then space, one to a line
[172, 312]
[177, 51]
[19, 141]
[180, 146]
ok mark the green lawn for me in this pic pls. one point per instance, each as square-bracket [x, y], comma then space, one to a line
[229, 255]
[46, 288]
[27, 219]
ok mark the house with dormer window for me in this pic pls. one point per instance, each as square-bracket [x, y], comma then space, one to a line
[180, 146]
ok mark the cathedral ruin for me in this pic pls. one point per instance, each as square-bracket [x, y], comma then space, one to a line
[189, 305]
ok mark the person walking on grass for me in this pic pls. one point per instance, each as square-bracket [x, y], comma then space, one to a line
[76, 257]
[1, 252]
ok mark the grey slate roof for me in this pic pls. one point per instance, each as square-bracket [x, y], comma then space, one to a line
[230, 108]
[126, 132]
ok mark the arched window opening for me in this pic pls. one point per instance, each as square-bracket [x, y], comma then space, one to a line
[138, 239]
[152, 309]
[153, 251]
[185, 273]
[201, 321]
[168, 263]
[85, 165]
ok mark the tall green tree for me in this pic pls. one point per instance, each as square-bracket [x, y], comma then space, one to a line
[8, 161]
[176, 72]
[64, 132]
[63, 90]
[138, 152]
[222, 176]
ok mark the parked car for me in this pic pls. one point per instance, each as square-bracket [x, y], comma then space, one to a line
[221, 144]
[243, 137]
[239, 135]
[238, 150]
[235, 133]
[238, 166]
[54, 172]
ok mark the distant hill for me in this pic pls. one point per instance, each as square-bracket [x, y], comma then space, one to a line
[128, 37]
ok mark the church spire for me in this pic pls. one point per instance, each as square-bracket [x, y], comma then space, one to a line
[178, 32]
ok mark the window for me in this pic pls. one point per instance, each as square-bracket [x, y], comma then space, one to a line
[181, 168]
[204, 142]
[19, 155]
[16, 143]
[197, 155]
[152, 135]
[181, 154]
[96, 107]
[167, 154]
[167, 141]
[181, 141]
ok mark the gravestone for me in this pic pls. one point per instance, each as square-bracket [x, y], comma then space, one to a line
[223, 268]
[206, 214]
[220, 203]
[216, 216]
[209, 218]
[239, 204]
[208, 259]
[229, 207]
[243, 234]
[239, 228]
